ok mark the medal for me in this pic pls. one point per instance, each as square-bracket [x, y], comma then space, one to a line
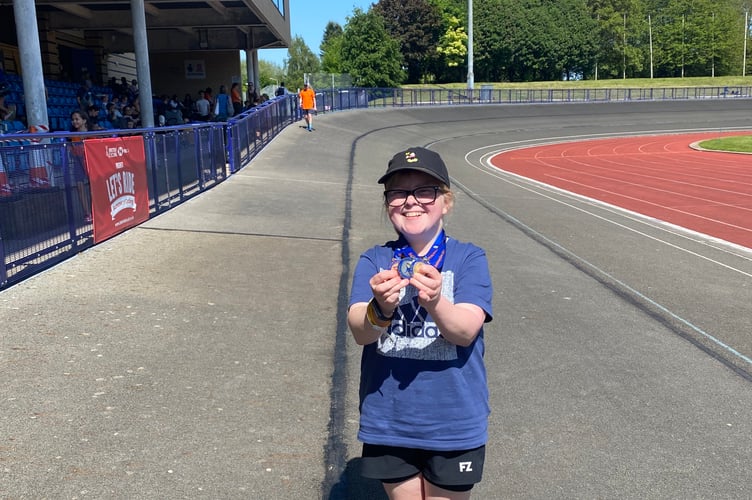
[408, 261]
[408, 266]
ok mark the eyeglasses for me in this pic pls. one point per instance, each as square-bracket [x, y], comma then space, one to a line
[425, 195]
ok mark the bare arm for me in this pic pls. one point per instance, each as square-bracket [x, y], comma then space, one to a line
[386, 286]
[458, 323]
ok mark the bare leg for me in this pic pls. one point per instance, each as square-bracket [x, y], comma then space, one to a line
[410, 489]
[417, 488]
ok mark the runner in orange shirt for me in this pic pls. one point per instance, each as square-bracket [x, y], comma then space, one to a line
[307, 104]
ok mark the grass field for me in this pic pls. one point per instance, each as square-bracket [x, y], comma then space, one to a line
[738, 144]
[724, 81]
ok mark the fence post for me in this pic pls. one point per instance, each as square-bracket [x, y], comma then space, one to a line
[3, 274]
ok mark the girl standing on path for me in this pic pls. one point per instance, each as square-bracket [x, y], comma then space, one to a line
[417, 306]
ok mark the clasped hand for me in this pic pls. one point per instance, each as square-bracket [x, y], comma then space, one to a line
[386, 286]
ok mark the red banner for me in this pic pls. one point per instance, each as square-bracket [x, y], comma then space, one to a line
[119, 187]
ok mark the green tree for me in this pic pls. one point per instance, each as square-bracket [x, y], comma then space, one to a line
[452, 48]
[300, 60]
[270, 73]
[417, 25]
[369, 53]
[696, 38]
[331, 48]
[573, 39]
[500, 49]
[622, 32]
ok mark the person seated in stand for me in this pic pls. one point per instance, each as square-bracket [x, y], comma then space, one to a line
[132, 90]
[94, 118]
[128, 120]
[113, 115]
[173, 115]
[136, 114]
[7, 111]
[187, 107]
[84, 96]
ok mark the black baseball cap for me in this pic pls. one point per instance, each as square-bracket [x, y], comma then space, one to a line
[420, 159]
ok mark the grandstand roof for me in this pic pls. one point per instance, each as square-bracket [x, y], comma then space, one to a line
[177, 25]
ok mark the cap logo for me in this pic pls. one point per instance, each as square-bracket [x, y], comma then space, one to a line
[410, 157]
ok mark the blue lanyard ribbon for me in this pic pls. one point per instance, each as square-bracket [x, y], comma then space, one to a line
[434, 256]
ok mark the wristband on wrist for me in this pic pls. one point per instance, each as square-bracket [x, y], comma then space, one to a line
[375, 317]
[379, 313]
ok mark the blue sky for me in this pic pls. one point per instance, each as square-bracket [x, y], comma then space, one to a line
[308, 20]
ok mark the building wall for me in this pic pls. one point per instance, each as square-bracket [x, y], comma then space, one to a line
[186, 72]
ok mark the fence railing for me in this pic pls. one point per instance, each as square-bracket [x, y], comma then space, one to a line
[336, 99]
[44, 190]
[45, 213]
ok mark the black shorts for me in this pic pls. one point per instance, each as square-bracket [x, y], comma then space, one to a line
[451, 470]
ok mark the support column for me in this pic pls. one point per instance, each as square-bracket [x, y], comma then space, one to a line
[31, 62]
[143, 71]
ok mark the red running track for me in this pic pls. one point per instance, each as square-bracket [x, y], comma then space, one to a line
[658, 176]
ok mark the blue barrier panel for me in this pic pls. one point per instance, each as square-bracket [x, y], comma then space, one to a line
[3, 275]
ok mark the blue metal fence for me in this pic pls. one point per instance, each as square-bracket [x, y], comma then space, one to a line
[44, 192]
[337, 99]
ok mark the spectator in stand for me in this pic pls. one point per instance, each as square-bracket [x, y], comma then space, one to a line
[129, 120]
[133, 90]
[114, 116]
[209, 94]
[114, 85]
[80, 123]
[173, 115]
[160, 107]
[136, 111]
[104, 100]
[7, 111]
[252, 94]
[93, 118]
[84, 96]
[223, 108]
[116, 102]
[188, 105]
[236, 98]
[203, 108]
[281, 90]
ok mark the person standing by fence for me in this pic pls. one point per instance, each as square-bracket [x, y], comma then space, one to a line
[236, 98]
[80, 123]
[307, 98]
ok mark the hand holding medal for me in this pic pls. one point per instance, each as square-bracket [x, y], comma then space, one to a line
[408, 266]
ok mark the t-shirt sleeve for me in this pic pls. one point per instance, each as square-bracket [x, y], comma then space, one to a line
[364, 270]
[473, 282]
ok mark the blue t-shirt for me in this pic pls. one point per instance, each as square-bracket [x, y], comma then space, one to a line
[418, 390]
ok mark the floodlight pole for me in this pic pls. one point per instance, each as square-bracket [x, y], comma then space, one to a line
[470, 77]
[746, 32]
[650, 31]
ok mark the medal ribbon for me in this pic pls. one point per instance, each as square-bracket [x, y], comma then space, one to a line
[434, 256]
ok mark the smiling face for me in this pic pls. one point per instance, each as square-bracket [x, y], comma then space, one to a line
[78, 122]
[418, 222]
